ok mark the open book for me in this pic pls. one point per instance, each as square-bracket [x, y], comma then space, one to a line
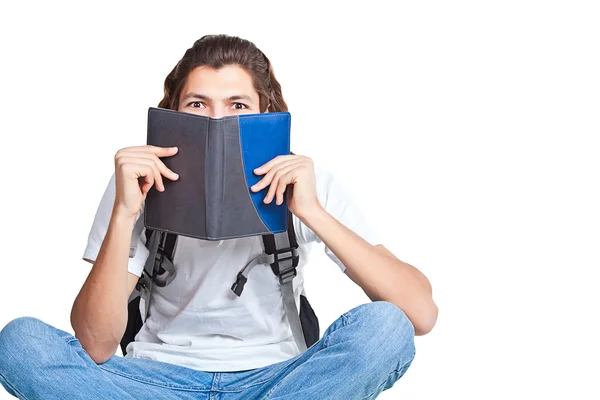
[212, 199]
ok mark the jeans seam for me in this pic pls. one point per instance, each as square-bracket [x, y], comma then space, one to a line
[270, 392]
[213, 384]
[12, 387]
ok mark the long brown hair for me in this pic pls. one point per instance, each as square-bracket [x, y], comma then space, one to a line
[217, 51]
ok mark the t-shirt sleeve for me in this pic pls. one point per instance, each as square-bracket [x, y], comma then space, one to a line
[336, 200]
[100, 227]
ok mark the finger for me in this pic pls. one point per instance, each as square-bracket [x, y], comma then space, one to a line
[143, 174]
[272, 187]
[147, 180]
[164, 170]
[283, 184]
[275, 161]
[266, 180]
[137, 167]
[280, 174]
[159, 151]
[150, 178]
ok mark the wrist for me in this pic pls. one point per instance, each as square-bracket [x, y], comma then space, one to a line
[312, 214]
[123, 216]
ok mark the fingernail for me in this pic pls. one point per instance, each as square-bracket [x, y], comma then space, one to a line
[173, 148]
[176, 176]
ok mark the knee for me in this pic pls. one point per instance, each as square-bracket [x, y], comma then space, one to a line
[20, 328]
[385, 330]
[19, 337]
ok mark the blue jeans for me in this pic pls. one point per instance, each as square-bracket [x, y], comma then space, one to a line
[363, 353]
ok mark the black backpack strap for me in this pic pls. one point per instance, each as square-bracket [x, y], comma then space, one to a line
[165, 253]
[166, 245]
[158, 270]
[285, 249]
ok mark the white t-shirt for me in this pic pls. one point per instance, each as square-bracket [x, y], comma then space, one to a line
[197, 321]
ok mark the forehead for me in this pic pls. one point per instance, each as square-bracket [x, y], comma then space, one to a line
[230, 80]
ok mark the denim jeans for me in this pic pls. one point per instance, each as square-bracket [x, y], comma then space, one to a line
[364, 352]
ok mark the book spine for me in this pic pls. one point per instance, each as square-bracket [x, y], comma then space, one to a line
[214, 178]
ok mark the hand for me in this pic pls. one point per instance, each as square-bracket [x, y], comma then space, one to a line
[285, 170]
[136, 170]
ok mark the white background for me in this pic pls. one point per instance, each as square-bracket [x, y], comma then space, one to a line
[466, 130]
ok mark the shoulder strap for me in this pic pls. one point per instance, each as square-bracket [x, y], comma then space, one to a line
[159, 269]
[281, 253]
[284, 249]
[167, 243]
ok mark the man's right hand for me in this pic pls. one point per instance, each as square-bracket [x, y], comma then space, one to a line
[136, 170]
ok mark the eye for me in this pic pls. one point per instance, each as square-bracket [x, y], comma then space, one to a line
[235, 105]
[195, 104]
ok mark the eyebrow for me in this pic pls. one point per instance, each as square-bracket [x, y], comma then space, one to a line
[204, 97]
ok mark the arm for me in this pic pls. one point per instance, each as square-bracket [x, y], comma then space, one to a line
[376, 270]
[99, 313]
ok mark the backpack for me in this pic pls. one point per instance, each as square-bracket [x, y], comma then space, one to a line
[280, 252]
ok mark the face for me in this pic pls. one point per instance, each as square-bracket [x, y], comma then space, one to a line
[219, 92]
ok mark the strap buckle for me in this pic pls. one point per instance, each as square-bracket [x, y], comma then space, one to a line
[285, 263]
[287, 275]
